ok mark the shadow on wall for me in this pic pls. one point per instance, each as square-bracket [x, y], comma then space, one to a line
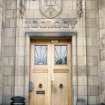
[101, 4]
[81, 101]
[102, 104]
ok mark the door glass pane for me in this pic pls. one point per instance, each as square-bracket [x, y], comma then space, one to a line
[60, 53]
[40, 55]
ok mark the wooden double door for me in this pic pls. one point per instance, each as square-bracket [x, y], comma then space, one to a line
[50, 76]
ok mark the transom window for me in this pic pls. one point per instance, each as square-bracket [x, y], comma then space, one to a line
[40, 54]
[60, 53]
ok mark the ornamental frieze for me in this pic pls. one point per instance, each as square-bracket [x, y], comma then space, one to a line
[47, 23]
[53, 8]
[51, 13]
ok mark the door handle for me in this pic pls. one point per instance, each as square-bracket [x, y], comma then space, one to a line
[51, 83]
[40, 86]
[61, 86]
[30, 86]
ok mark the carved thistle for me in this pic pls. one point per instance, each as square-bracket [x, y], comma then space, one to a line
[22, 7]
[79, 8]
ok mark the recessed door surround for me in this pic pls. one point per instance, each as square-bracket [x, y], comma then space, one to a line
[50, 74]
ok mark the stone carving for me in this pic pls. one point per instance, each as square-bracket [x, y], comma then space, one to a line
[102, 54]
[50, 23]
[102, 50]
[50, 8]
[103, 42]
[22, 8]
[79, 8]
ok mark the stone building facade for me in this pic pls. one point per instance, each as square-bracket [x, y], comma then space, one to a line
[82, 20]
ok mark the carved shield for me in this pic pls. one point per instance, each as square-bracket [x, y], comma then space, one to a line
[51, 8]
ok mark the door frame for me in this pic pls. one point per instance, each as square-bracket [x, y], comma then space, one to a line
[48, 35]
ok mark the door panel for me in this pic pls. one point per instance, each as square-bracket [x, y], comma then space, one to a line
[60, 89]
[40, 89]
[50, 73]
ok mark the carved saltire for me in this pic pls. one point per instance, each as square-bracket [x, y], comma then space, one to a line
[50, 8]
[79, 8]
[22, 7]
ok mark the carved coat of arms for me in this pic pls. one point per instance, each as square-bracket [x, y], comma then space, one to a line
[51, 8]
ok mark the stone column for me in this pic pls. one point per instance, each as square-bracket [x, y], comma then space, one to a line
[20, 54]
[1, 11]
[92, 51]
[8, 50]
[101, 4]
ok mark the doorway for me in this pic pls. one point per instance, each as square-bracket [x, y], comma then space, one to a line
[50, 74]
